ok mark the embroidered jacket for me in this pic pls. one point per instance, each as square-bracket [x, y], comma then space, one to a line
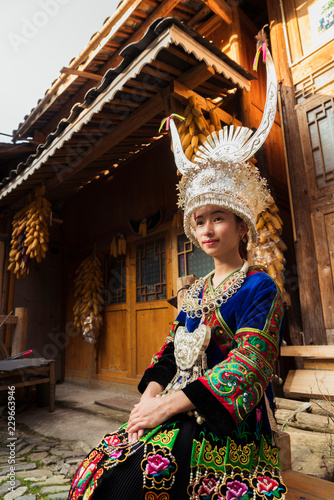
[244, 346]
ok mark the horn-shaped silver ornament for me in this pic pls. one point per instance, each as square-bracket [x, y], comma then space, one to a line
[184, 165]
[231, 144]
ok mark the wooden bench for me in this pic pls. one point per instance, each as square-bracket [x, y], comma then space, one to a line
[316, 380]
[303, 487]
[30, 372]
[24, 372]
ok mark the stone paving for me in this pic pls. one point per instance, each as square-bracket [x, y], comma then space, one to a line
[44, 466]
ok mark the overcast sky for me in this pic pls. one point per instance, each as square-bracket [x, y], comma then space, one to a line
[38, 38]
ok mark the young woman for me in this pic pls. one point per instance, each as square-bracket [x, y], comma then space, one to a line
[223, 449]
[202, 429]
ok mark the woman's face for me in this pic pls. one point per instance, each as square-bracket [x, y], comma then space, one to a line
[218, 232]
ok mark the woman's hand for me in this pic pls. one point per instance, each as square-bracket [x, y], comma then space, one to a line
[147, 414]
[151, 391]
[152, 411]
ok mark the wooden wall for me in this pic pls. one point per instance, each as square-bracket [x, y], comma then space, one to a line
[93, 217]
[99, 211]
[42, 294]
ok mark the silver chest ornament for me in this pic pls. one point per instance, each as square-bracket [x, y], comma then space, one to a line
[190, 357]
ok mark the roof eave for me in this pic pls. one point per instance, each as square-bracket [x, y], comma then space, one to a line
[172, 35]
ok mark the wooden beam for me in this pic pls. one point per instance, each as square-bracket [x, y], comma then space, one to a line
[39, 138]
[104, 143]
[307, 487]
[309, 351]
[8, 320]
[196, 75]
[180, 90]
[164, 9]
[206, 28]
[221, 8]
[201, 14]
[310, 383]
[84, 74]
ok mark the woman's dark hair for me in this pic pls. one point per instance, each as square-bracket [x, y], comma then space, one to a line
[242, 244]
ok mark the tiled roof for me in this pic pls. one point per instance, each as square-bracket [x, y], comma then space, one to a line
[167, 50]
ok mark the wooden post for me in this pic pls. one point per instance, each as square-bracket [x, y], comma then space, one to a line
[182, 284]
[92, 362]
[2, 268]
[10, 303]
[52, 386]
[284, 447]
[19, 343]
[4, 292]
[308, 279]
[236, 35]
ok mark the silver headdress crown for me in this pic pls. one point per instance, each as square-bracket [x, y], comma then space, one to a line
[220, 174]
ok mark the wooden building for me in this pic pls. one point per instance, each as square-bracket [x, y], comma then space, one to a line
[302, 38]
[106, 167]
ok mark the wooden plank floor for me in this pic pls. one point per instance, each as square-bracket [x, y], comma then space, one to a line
[304, 487]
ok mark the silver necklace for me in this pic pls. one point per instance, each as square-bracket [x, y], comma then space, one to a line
[214, 298]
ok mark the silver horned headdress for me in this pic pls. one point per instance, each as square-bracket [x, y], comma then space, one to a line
[220, 174]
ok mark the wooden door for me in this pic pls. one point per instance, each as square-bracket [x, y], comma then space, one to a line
[139, 319]
[316, 123]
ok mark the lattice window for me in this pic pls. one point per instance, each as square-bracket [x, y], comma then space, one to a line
[320, 121]
[115, 290]
[151, 271]
[191, 259]
[320, 81]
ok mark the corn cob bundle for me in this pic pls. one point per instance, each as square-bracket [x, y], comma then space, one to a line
[18, 258]
[177, 220]
[118, 247]
[121, 245]
[30, 234]
[88, 285]
[195, 128]
[269, 251]
[143, 228]
[113, 247]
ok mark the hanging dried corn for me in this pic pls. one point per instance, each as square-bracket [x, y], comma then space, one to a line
[88, 285]
[30, 235]
[269, 251]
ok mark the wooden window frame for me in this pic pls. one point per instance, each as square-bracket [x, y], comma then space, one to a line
[302, 110]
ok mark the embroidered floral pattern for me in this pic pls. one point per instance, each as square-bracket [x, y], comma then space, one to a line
[116, 446]
[221, 468]
[238, 381]
[205, 487]
[159, 467]
[268, 486]
[236, 488]
[85, 472]
[153, 496]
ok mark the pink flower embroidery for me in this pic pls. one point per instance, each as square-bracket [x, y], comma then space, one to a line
[235, 490]
[156, 464]
[116, 454]
[266, 484]
[207, 487]
[258, 415]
